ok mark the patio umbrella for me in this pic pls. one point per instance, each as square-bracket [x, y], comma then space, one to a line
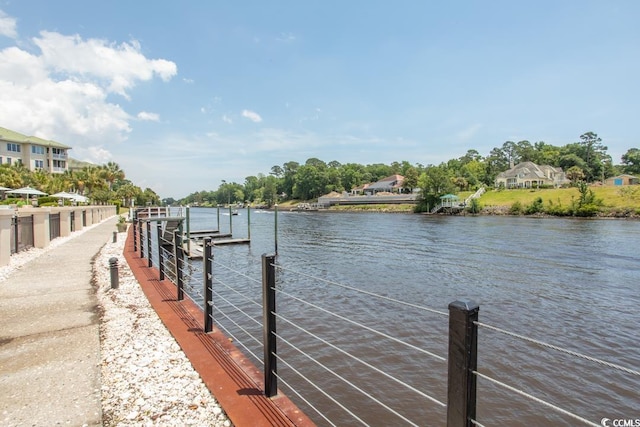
[4, 188]
[73, 196]
[28, 191]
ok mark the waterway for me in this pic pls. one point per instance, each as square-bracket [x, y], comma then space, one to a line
[572, 283]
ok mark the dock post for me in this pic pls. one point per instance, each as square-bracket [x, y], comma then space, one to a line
[134, 220]
[179, 259]
[463, 361]
[141, 239]
[207, 262]
[248, 220]
[218, 212]
[149, 251]
[275, 231]
[188, 221]
[269, 325]
[230, 221]
[160, 261]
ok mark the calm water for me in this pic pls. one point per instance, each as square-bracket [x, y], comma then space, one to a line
[571, 283]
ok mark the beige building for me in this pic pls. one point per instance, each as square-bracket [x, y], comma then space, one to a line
[530, 175]
[33, 152]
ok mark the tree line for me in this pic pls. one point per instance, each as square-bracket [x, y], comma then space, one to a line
[585, 160]
[103, 184]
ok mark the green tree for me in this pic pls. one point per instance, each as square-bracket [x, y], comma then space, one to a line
[631, 161]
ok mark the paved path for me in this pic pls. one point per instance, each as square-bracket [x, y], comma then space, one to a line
[49, 337]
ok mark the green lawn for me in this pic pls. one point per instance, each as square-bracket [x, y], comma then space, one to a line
[613, 198]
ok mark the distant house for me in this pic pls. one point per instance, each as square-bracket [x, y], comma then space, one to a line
[33, 152]
[623, 179]
[390, 184]
[530, 175]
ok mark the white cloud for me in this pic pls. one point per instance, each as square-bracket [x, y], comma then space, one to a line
[252, 115]
[61, 92]
[8, 26]
[146, 116]
[226, 119]
[121, 65]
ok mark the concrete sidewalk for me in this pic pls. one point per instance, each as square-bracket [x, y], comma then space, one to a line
[49, 337]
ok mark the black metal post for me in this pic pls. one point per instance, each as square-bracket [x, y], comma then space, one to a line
[141, 239]
[134, 222]
[160, 261]
[269, 325]
[463, 361]
[149, 256]
[178, 255]
[113, 270]
[207, 262]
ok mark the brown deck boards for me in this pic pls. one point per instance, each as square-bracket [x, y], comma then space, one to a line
[233, 379]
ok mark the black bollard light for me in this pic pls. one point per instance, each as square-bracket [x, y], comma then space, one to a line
[115, 236]
[113, 267]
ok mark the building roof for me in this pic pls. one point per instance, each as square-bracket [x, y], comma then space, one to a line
[13, 136]
[528, 170]
[388, 183]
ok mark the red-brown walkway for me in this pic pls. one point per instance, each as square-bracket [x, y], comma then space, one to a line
[234, 381]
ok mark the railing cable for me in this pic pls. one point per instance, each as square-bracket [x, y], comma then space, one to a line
[373, 294]
[304, 400]
[346, 381]
[363, 326]
[536, 399]
[560, 349]
[239, 273]
[346, 353]
[246, 297]
[239, 327]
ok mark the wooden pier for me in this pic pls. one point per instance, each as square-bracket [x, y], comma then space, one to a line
[194, 248]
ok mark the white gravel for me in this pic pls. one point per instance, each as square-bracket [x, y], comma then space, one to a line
[146, 378]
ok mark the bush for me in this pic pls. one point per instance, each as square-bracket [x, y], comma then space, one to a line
[515, 209]
[557, 209]
[474, 206]
[535, 207]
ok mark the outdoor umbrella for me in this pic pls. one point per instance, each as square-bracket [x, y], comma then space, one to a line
[28, 191]
[4, 188]
[73, 196]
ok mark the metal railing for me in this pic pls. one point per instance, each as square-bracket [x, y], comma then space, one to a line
[22, 233]
[265, 334]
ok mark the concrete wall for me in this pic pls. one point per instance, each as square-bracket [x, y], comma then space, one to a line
[84, 217]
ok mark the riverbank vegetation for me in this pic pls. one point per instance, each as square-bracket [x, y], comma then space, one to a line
[585, 162]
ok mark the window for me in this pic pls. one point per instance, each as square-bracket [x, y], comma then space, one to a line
[39, 164]
[0, 160]
[37, 149]
[8, 160]
[13, 147]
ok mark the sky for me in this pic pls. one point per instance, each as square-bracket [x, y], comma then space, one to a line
[185, 94]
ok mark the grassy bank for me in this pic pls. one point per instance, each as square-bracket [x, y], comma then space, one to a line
[616, 201]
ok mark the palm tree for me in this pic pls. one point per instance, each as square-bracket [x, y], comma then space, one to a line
[111, 172]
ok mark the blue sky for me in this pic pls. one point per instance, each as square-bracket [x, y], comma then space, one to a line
[183, 95]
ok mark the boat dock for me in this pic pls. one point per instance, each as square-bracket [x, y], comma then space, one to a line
[193, 248]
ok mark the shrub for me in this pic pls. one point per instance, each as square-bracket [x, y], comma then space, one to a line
[474, 206]
[515, 209]
[535, 207]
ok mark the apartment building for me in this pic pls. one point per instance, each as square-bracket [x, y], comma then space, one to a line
[33, 152]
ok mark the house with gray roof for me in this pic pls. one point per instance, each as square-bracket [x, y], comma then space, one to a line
[33, 152]
[390, 184]
[530, 175]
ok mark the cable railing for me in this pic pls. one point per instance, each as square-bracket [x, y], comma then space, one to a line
[239, 315]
